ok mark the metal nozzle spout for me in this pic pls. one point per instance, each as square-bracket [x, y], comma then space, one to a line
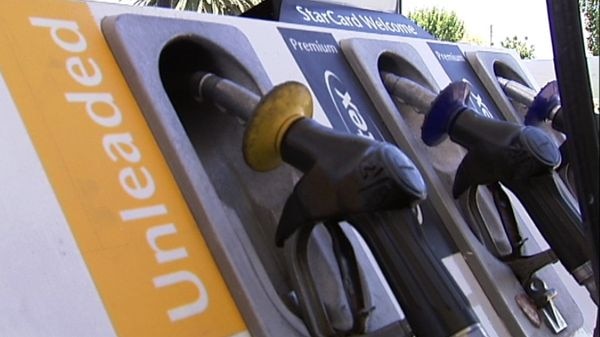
[266, 118]
[227, 95]
[410, 92]
[517, 91]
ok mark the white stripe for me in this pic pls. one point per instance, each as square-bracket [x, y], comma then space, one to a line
[45, 287]
[143, 212]
[242, 334]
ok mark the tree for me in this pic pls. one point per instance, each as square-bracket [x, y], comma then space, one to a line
[590, 15]
[444, 25]
[524, 49]
[229, 7]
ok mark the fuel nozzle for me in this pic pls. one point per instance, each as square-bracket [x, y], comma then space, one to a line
[267, 118]
[350, 174]
[372, 185]
[543, 106]
[517, 91]
[410, 92]
[491, 142]
[522, 158]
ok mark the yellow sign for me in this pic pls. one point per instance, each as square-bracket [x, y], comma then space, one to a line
[150, 264]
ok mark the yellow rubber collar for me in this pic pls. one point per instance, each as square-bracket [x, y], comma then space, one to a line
[274, 114]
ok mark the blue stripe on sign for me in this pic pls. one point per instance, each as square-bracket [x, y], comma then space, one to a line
[457, 68]
[331, 79]
[349, 18]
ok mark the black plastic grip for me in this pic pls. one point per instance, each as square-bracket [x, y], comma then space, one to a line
[558, 122]
[431, 300]
[375, 187]
[343, 174]
[499, 151]
[556, 219]
[523, 158]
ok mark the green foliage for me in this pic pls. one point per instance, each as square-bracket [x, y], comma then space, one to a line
[590, 15]
[524, 49]
[228, 7]
[444, 25]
